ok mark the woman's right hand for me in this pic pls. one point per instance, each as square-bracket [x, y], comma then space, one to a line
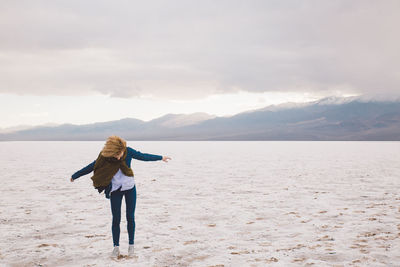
[165, 158]
[72, 179]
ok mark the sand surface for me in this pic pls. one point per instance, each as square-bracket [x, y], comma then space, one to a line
[214, 204]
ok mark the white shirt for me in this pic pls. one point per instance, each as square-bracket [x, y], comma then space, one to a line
[123, 181]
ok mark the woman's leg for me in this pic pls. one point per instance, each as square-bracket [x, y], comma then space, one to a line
[130, 201]
[116, 200]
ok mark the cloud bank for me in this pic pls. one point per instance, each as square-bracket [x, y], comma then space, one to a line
[192, 49]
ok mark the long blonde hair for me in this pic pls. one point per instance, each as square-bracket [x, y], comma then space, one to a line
[113, 146]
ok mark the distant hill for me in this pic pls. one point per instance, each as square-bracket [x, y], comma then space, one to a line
[327, 119]
[23, 127]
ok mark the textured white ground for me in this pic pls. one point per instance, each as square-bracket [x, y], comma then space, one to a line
[214, 204]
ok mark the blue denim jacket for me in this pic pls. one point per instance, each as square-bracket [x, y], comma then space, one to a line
[131, 154]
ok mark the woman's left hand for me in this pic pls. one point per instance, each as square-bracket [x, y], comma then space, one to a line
[165, 158]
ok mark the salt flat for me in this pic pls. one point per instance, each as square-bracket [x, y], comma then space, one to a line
[213, 204]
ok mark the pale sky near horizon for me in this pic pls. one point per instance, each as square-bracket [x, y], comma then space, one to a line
[89, 61]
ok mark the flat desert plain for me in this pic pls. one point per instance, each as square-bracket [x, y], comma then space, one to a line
[213, 204]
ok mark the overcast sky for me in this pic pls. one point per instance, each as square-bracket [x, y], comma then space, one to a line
[87, 61]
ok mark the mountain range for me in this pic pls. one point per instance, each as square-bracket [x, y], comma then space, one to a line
[330, 118]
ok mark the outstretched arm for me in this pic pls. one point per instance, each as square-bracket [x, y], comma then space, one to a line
[165, 158]
[145, 156]
[88, 169]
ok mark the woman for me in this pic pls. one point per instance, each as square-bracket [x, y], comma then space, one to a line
[112, 173]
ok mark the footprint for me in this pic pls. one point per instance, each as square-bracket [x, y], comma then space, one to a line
[190, 242]
[299, 260]
[272, 259]
[325, 238]
[91, 236]
[47, 245]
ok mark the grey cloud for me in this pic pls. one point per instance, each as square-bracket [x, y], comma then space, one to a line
[190, 49]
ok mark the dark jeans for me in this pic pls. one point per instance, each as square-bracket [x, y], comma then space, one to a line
[116, 201]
